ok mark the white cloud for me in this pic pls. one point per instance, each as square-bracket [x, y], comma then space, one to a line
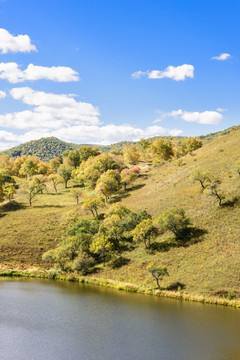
[14, 44]
[177, 73]
[221, 109]
[205, 117]
[103, 135]
[66, 118]
[2, 94]
[138, 74]
[50, 111]
[11, 72]
[222, 57]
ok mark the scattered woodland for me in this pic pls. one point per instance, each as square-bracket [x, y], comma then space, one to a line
[161, 213]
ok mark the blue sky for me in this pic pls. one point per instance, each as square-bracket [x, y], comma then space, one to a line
[122, 69]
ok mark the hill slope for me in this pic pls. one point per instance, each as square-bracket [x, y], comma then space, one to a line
[205, 266]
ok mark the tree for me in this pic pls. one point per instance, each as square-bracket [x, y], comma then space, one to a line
[202, 177]
[29, 167]
[127, 177]
[145, 231]
[73, 156]
[101, 245]
[176, 221]
[93, 205]
[40, 182]
[55, 180]
[9, 190]
[77, 193]
[65, 171]
[162, 149]
[108, 183]
[213, 190]
[158, 272]
[6, 182]
[190, 144]
[132, 154]
[54, 164]
[32, 193]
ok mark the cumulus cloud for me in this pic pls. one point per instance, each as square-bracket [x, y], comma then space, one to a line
[14, 44]
[2, 94]
[177, 73]
[61, 115]
[12, 73]
[222, 57]
[205, 117]
[50, 111]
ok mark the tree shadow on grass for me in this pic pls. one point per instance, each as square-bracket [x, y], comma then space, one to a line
[231, 202]
[119, 262]
[189, 237]
[118, 197]
[135, 187]
[12, 206]
[48, 206]
[176, 286]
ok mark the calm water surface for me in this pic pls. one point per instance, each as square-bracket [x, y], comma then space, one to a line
[50, 320]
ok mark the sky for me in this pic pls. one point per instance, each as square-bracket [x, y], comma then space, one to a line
[103, 71]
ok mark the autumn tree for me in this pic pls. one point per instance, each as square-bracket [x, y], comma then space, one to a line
[55, 180]
[127, 177]
[108, 184]
[144, 232]
[190, 144]
[162, 149]
[76, 193]
[65, 171]
[93, 205]
[132, 154]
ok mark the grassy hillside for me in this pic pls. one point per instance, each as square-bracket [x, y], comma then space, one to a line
[210, 262]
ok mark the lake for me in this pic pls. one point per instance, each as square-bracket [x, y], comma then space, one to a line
[53, 320]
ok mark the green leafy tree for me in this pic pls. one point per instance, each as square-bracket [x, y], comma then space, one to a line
[144, 232]
[157, 272]
[65, 171]
[54, 164]
[55, 181]
[32, 192]
[93, 205]
[29, 167]
[213, 190]
[176, 221]
[76, 193]
[202, 177]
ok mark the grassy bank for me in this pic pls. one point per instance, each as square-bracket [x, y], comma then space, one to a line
[121, 286]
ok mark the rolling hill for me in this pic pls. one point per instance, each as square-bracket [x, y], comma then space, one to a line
[205, 266]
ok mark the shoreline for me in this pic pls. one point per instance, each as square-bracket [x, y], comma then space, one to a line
[120, 286]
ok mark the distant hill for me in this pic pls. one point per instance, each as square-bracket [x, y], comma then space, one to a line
[45, 148]
[51, 147]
